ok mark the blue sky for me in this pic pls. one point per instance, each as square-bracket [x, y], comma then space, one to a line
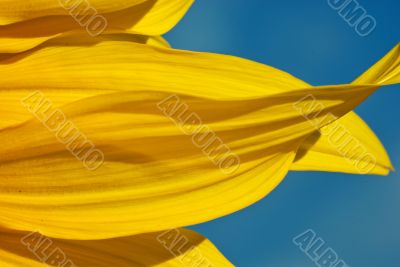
[358, 216]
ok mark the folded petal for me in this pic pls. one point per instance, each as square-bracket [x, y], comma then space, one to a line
[177, 247]
[347, 145]
[161, 167]
[152, 17]
[385, 71]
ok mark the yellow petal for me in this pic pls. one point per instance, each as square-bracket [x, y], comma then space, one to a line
[177, 247]
[14, 11]
[344, 147]
[348, 142]
[154, 176]
[37, 67]
[14, 113]
[148, 18]
[385, 71]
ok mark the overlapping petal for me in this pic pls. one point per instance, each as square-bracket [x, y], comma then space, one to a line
[350, 147]
[350, 137]
[175, 247]
[147, 17]
[316, 153]
[154, 177]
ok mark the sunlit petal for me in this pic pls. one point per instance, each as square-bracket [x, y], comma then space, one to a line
[152, 17]
[177, 247]
[156, 173]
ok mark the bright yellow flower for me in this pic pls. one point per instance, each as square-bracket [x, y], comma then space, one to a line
[117, 92]
[145, 107]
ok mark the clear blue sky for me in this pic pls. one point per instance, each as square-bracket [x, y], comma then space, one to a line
[358, 216]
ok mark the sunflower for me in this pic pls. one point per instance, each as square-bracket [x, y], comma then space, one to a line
[111, 140]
